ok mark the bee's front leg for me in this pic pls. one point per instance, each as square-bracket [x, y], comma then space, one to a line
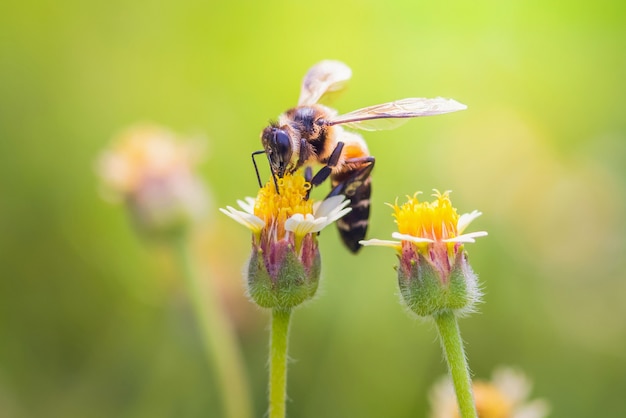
[303, 154]
[325, 171]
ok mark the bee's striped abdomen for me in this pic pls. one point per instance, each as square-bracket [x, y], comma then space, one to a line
[358, 188]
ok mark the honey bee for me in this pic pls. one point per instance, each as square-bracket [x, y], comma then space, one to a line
[311, 134]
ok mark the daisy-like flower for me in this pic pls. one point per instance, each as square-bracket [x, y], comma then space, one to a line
[284, 267]
[505, 396]
[152, 172]
[435, 278]
[433, 274]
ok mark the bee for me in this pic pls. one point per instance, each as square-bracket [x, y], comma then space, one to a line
[313, 134]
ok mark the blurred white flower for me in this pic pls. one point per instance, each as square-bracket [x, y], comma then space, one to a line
[505, 396]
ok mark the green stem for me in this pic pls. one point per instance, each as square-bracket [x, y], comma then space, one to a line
[220, 342]
[279, 334]
[457, 363]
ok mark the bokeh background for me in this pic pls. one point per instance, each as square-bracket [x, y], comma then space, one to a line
[94, 321]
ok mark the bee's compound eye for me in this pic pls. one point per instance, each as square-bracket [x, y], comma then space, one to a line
[277, 144]
[282, 141]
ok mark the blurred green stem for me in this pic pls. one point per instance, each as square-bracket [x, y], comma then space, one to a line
[279, 334]
[220, 342]
[457, 363]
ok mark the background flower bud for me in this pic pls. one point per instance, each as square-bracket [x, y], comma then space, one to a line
[152, 172]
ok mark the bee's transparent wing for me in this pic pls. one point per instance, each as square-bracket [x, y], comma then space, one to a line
[324, 77]
[391, 115]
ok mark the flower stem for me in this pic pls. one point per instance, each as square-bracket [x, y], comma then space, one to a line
[279, 333]
[457, 363]
[220, 342]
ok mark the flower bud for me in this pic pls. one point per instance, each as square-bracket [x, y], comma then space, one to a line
[427, 293]
[433, 275]
[282, 278]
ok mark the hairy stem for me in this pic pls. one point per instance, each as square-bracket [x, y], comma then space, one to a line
[457, 363]
[279, 334]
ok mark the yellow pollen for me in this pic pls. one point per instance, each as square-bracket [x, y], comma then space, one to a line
[275, 207]
[436, 220]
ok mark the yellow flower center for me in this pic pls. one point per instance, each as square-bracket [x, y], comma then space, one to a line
[491, 402]
[437, 220]
[275, 207]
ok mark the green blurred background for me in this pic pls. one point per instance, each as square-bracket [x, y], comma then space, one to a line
[94, 322]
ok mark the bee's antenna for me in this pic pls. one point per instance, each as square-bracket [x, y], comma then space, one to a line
[256, 169]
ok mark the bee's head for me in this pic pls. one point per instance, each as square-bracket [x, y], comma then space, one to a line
[277, 144]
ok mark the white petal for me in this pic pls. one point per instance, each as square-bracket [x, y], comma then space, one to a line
[298, 217]
[301, 224]
[330, 205]
[380, 243]
[405, 237]
[316, 205]
[465, 220]
[460, 238]
[535, 409]
[467, 237]
[325, 213]
[512, 383]
[332, 217]
[320, 223]
[252, 222]
[338, 213]
[248, 205]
